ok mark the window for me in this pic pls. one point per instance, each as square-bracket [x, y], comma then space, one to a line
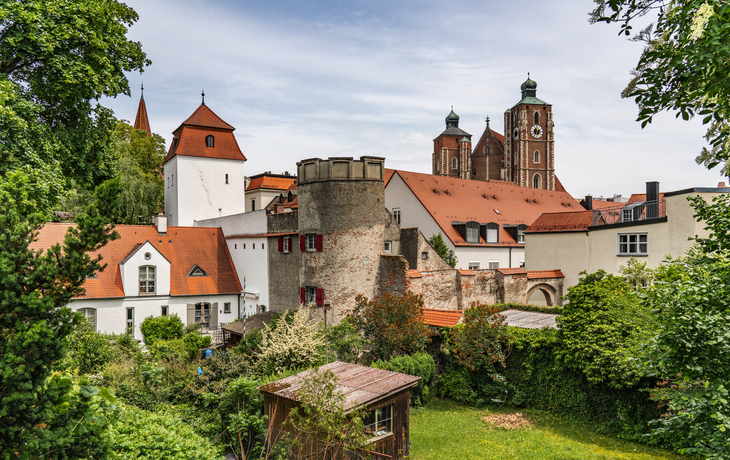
[261, 309]
[521, 233]
[424, 255]
[627, 214]
[235, 246]
[311, 295]
[537, 156]
[536, 181]
[633, 244]
[253, 204]
[388, 247]
[253, 245]
[473, 265]
[492, 233]
[537, 118]
[209, 141]
[285, 244]
[90, 315]
[244, 245]
[453, 163]
[379, 422]
[493, 264]
[226, 178]
[472, 232]
[164, 310]
[130, 321]
[522, 264]
[396, 214]
[202, 314]
[227, 307]
[311, 242]
[262, 246]
[147, 279]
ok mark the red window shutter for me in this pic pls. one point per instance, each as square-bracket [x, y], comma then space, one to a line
[319, 241]
[281, 244]
[302, 295]
[320, 296]
[288, 240]
[302, 243]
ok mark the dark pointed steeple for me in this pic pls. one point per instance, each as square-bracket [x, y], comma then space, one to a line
[142, 122]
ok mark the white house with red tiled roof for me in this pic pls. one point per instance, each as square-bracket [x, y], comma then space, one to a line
[157, 270]
[483, 222]
[263, 188]
[204, 175]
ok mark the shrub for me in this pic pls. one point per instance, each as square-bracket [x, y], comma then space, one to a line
[345, 343]
[455, 383]
[418, 364]
[480, 342]
[152, 436]
[166, 327]
[218, 371]
[288, 346]
[393, 324]
[193, 343]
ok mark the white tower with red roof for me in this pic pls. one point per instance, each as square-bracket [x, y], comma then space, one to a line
[204, 175]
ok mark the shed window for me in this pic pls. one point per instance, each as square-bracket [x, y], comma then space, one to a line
[472, 232]
[379, 422]
[492, 233]
[209, 141]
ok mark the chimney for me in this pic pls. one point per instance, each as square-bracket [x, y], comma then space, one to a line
[721, 185]
[161, 223]
[588, 203]
[652, 197]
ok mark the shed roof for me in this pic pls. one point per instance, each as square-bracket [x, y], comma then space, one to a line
[360, 385]
[529, 319]
[253, 323]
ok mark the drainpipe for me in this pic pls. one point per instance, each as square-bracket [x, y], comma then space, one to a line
[510, 257]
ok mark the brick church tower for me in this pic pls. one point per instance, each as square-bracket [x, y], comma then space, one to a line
[529, 146]
[452, 150]
[525, 154]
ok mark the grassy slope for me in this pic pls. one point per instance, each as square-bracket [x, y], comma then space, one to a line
[445, 429]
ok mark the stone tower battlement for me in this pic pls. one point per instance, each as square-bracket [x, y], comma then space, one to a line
[340, 168]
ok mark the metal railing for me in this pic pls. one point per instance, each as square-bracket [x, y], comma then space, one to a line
[633, 212]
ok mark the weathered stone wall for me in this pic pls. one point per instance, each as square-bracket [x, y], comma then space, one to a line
[482, 287]
[439, 289]
[282, 222]
[283, 274]
[413, 244]
[393, 274]
[513, 287]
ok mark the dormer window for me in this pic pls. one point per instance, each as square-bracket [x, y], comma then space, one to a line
[197, 271]
[147, 280]
[492, 233]
[209, 141]
[472, 232]
[521, 233]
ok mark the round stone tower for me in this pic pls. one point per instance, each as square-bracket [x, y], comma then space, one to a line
[342, 218]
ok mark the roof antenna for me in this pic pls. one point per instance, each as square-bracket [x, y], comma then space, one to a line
[203, 94]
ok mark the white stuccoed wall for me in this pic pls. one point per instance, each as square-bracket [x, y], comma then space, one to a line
[199, 190]
[130, 271]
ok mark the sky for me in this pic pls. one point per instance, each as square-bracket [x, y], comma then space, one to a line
[350, 78]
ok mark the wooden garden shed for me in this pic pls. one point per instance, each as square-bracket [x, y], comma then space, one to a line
[384, 394]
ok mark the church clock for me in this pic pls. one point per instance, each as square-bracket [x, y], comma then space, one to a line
[536, 131]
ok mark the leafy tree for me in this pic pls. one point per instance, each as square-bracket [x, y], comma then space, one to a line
[419, 364]
[685, 65]
[692, 352]
[345, 343]
[437, 241]
[242, 411]
[35, 288]
[324, 429]
[290, 346]
[393, 324]
[61, 56]
[481, 342]
[156, 328]
[603, 329]
[717, 217]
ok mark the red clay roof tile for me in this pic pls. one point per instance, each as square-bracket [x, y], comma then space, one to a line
[182, 246]
[539, 274]
[268, 182]
[450, 200]
[413, 273]
[466, 272]
[561, 221]
[436, 317]
[511, 271]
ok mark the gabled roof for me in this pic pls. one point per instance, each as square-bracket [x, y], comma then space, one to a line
[360, 385]
[190, 137]
[182, 246]
[271, 182]
[450, 200]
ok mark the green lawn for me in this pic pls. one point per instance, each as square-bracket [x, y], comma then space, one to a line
[446, 430]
